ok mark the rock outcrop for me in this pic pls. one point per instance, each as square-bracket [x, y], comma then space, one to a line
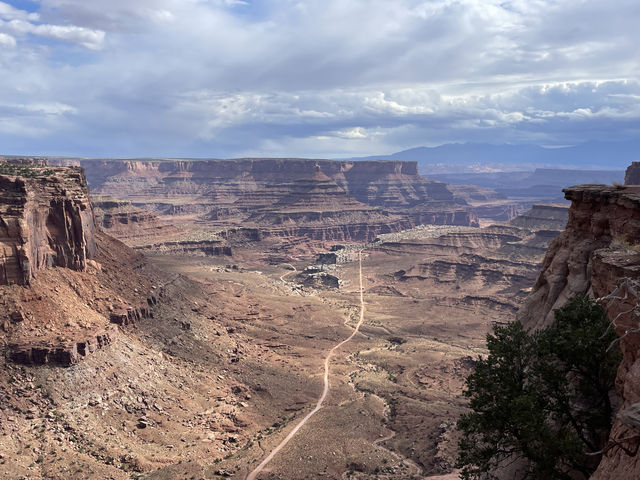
[121, 219]
[126, 315]
[599, 216]
[58, 316]
[488, 204]
[46, 220]
[316, 207]
[632, 175]
[62, 353]
[598, 254]
[492, 267]
[543, 216]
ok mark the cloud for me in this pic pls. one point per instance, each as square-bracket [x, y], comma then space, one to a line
[7, 40]
[225, 77]
[92, 39]
[32, 121]
[8, 12]
[20, 22]
[352, 133]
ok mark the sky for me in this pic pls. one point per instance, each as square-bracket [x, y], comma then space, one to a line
[313, 78]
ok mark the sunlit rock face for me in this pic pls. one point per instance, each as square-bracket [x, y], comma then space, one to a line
[46, 220]
[319, 199]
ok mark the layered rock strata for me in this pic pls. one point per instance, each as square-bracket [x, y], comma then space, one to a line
[125, 315]
[46, 220]
[599, 216]
[62, 352]
[121, 219]
[543, 216]
[488, 204]
[58, 316]
[321, 200]
[316, 207]
[598, 254]
[206, 248]
[493, 266]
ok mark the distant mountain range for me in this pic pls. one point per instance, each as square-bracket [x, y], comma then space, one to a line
[542, 183]
[482, 157]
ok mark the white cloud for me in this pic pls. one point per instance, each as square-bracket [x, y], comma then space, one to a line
[378, 103]
[33, 121]
[7, 40]
[352, 133]
[56, 109]
[92, 39]
[8, 12]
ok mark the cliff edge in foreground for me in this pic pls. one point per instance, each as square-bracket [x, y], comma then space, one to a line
[598, 254]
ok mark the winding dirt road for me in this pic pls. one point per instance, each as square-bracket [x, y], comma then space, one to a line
[274, 452]
[288, 273]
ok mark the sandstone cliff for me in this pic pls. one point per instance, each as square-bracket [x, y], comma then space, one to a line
[128, 223]
[595, 254]
[45, 220]
[316, 199]
[58, 315]
[598, 215]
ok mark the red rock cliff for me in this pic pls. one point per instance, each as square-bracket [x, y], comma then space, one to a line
[45, 220]
[285, 192]
[595, 254]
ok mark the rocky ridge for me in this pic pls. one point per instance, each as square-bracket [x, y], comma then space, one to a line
[597, 254]
[136, 341]
[600, 217]
[632, 175]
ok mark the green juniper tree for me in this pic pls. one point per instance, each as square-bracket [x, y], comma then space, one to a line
[542, 397]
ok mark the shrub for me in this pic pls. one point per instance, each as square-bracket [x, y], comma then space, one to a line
[542, 397]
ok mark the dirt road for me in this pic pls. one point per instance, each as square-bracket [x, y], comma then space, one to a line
[288, 273]
[253, 475]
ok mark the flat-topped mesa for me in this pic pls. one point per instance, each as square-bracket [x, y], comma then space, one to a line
[316, 207]
[114, 214]
[543, 217]
[392, 184]
[316, 200]
[247, 182]
[17, 160]
[128, 223]
[201, 176]
[46, 220]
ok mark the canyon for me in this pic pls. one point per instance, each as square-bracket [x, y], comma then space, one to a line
[322, 200]
[174, 322]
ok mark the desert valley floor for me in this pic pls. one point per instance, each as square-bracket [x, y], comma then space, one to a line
[219, 346]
